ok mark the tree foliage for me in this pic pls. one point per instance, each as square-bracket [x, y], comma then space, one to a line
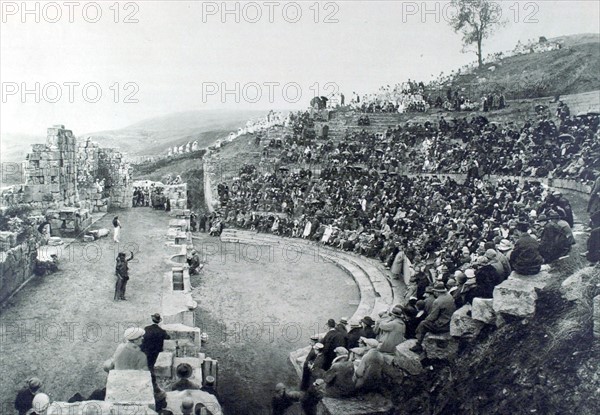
[476, 20]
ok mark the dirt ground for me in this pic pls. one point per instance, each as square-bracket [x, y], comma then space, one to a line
[257, 306]
[61, 328]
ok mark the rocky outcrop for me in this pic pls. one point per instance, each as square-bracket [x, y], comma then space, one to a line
[516, 298]
[463, 324]
[406, 360]
[440, 346]
[483, 310]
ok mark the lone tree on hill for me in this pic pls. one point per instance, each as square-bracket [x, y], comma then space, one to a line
[476, 20]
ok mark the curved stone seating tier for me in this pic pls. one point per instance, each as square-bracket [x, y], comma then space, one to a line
[376, 291]
[98, 408]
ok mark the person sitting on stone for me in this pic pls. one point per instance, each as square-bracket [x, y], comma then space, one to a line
[554, 243]
[338, 378]
[24, 399]
[194, 263]
[368, 370]
[438, 320]
[184, 372]
[128, 355]
[525, 258]
[283, 399]
[391, 330]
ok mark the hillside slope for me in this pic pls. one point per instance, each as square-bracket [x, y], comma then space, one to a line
[570, 70]
[148, 137]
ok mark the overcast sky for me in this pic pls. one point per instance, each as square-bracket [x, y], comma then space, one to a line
[172, 56]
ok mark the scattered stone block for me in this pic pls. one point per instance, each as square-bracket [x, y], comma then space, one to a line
[407, 360]
[130, 386]
[516, 298]
[462, 323]
[163, 365]
[539, 280]
[370, 404]
[183, 332]
[440, 346]
[596, 316]
[97, 408]
[483, 310]
[55, 240]
[88, 238]
[573, 288]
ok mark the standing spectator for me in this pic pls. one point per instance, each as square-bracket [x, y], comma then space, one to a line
[153, 341]
[117, 228]
[23, 402]
[334, 338]
[122, 273]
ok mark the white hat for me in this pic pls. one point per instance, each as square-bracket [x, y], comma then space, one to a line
[133, 333]
[40, 402]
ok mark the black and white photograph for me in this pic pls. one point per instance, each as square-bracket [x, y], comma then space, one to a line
[302, 207]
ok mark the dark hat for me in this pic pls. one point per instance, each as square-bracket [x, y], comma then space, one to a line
[439, 287]
[368, 321]
[34, 384]
[156, 318]
[553, 215]
[542, 218]
[184, 370]
[397, 311]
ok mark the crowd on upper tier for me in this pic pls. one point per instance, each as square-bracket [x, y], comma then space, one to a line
[566, 148]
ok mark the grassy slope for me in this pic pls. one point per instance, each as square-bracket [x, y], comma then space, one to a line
[571, 70]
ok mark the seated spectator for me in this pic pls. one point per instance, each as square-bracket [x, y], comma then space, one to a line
[438, 321]
[367, 327]
[283, 399]
[312, 397]
[184, 372]
[554, 243]
[339, 378]
[368, 372]
[390, 330]
[39, 404]
[525, 258]
[129, 355]
[26, 394]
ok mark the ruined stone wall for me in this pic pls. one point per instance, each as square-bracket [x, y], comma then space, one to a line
[16, 263]
[66, 172]
[116, 172]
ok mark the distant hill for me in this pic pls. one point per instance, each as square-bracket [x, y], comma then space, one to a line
[570, 70]
[156, 135]
[147, 137]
